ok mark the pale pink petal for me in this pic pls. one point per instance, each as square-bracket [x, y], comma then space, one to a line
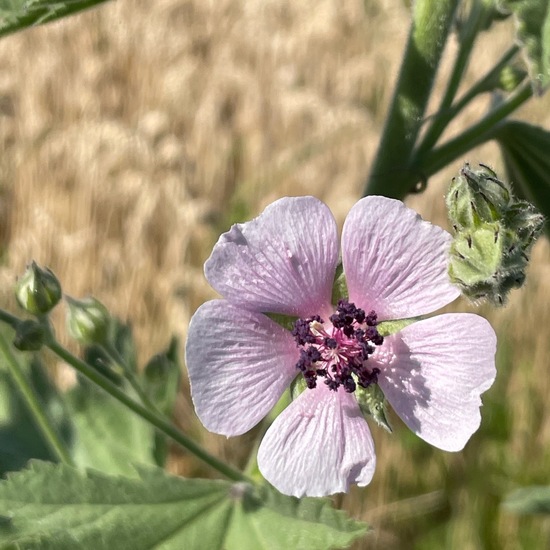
[283, 261]
[434, 372]
[239, 364]
[319, 445]
[395, 263]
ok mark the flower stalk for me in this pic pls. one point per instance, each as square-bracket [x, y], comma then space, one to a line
[160, 423]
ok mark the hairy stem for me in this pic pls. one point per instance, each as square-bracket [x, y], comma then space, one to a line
[430, 28]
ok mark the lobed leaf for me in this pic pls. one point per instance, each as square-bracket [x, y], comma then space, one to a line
[107, 436]
[51, 506]
[16, 15]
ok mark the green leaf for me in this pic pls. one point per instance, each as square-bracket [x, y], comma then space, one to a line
[57, 507]
[16, 15]
[308, 523]
[525, 149]
[108, 436]
[120, 339]
[161, 380]
[533, 33]
[529, 500]
[20, 437]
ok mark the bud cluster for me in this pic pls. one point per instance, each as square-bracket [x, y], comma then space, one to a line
[494, 233]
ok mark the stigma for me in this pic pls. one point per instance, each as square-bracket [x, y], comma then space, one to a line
[338, 351]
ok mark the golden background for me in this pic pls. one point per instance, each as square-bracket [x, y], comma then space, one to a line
[134, 134]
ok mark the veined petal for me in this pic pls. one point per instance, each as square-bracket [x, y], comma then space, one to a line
[283, 261]
[433, 373]
[239, 364]
[319, 445]
[395, 263]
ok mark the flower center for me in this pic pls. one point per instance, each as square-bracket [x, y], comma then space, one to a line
[338, 351]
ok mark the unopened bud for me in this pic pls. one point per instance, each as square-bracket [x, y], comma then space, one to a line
[477, 196]
[29, 336]
[487, 263]
[511, 77]
[526, 221]
[38, 291]
[494, 233]
[88, 320]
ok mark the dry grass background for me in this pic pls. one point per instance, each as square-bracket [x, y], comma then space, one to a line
[132, 135]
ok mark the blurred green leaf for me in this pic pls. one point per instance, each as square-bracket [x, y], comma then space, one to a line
[120, 339]
[20, 437]
[161, 378]
[16, 15]
[57, 507]
[161, 381]
[529, 500]
[533, 32]
[526, 153]
[108, 436]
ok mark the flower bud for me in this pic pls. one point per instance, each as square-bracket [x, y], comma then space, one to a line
[475, 197]
[510, 77]
[494, 232]
[29, 336]
[88, 320]
[487, 262]
[38, 291]
[526, 221]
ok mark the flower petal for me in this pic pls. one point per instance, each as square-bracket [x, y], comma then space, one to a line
[434, 372]
[283, 261]
[395, 263]
[239, 364]
[319, 445]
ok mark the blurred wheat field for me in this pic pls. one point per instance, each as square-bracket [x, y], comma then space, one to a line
[132, 135]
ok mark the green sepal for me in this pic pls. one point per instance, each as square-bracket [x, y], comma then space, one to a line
[487, 263]
[340, 285]
[476, 255]
[387, 328]
[286, 321]
[527, 223]
[29, 335]
[297, 386]
[476, 197]
[372, 402]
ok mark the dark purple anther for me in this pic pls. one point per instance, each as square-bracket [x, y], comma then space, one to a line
[338, 352]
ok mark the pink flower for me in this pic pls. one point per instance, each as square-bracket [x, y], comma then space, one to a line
[240, 361]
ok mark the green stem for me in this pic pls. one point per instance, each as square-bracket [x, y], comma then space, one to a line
[477, 134]
[9, 319]
[159, 422]
[430, 27]
[33, 403]
[486, 83]
[114, 355]
[477, 17]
